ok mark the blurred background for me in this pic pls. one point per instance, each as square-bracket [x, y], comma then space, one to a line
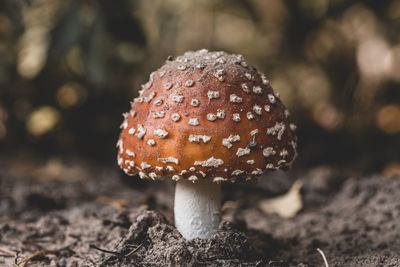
[68, 70]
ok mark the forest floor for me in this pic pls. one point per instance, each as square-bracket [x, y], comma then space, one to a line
[67, 212]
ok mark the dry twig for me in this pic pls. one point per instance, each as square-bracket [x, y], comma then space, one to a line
[41, 253]
[5, 252]
[323, 256]
[106, 251]
[134, 250]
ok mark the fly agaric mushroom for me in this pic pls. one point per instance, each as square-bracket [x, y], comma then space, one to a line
[203, 119]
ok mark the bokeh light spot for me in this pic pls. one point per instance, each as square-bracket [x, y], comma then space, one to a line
[33, 52]
[359, 23]
[327, 116]
[42, 120]
[74, 59]
[388, 119]
[374, 58]
[70, 95]
[313, 85]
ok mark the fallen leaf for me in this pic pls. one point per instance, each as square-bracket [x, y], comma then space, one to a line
[287, 205]
[55, 169]
[392, 170]
[118, 204]
[229, 205]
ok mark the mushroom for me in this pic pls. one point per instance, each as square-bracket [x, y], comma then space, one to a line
[203, 119]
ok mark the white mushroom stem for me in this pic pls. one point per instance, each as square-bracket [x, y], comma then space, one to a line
[197, 208]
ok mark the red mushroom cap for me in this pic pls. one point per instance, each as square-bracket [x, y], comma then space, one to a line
[206, 115]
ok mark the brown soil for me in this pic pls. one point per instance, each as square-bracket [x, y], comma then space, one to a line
[95, 218]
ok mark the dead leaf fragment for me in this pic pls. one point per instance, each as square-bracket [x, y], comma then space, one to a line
[118, 204]
[392, 170]
[230, 205]
[287, 205]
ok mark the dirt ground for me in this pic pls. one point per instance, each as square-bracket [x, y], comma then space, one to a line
[64, 212]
